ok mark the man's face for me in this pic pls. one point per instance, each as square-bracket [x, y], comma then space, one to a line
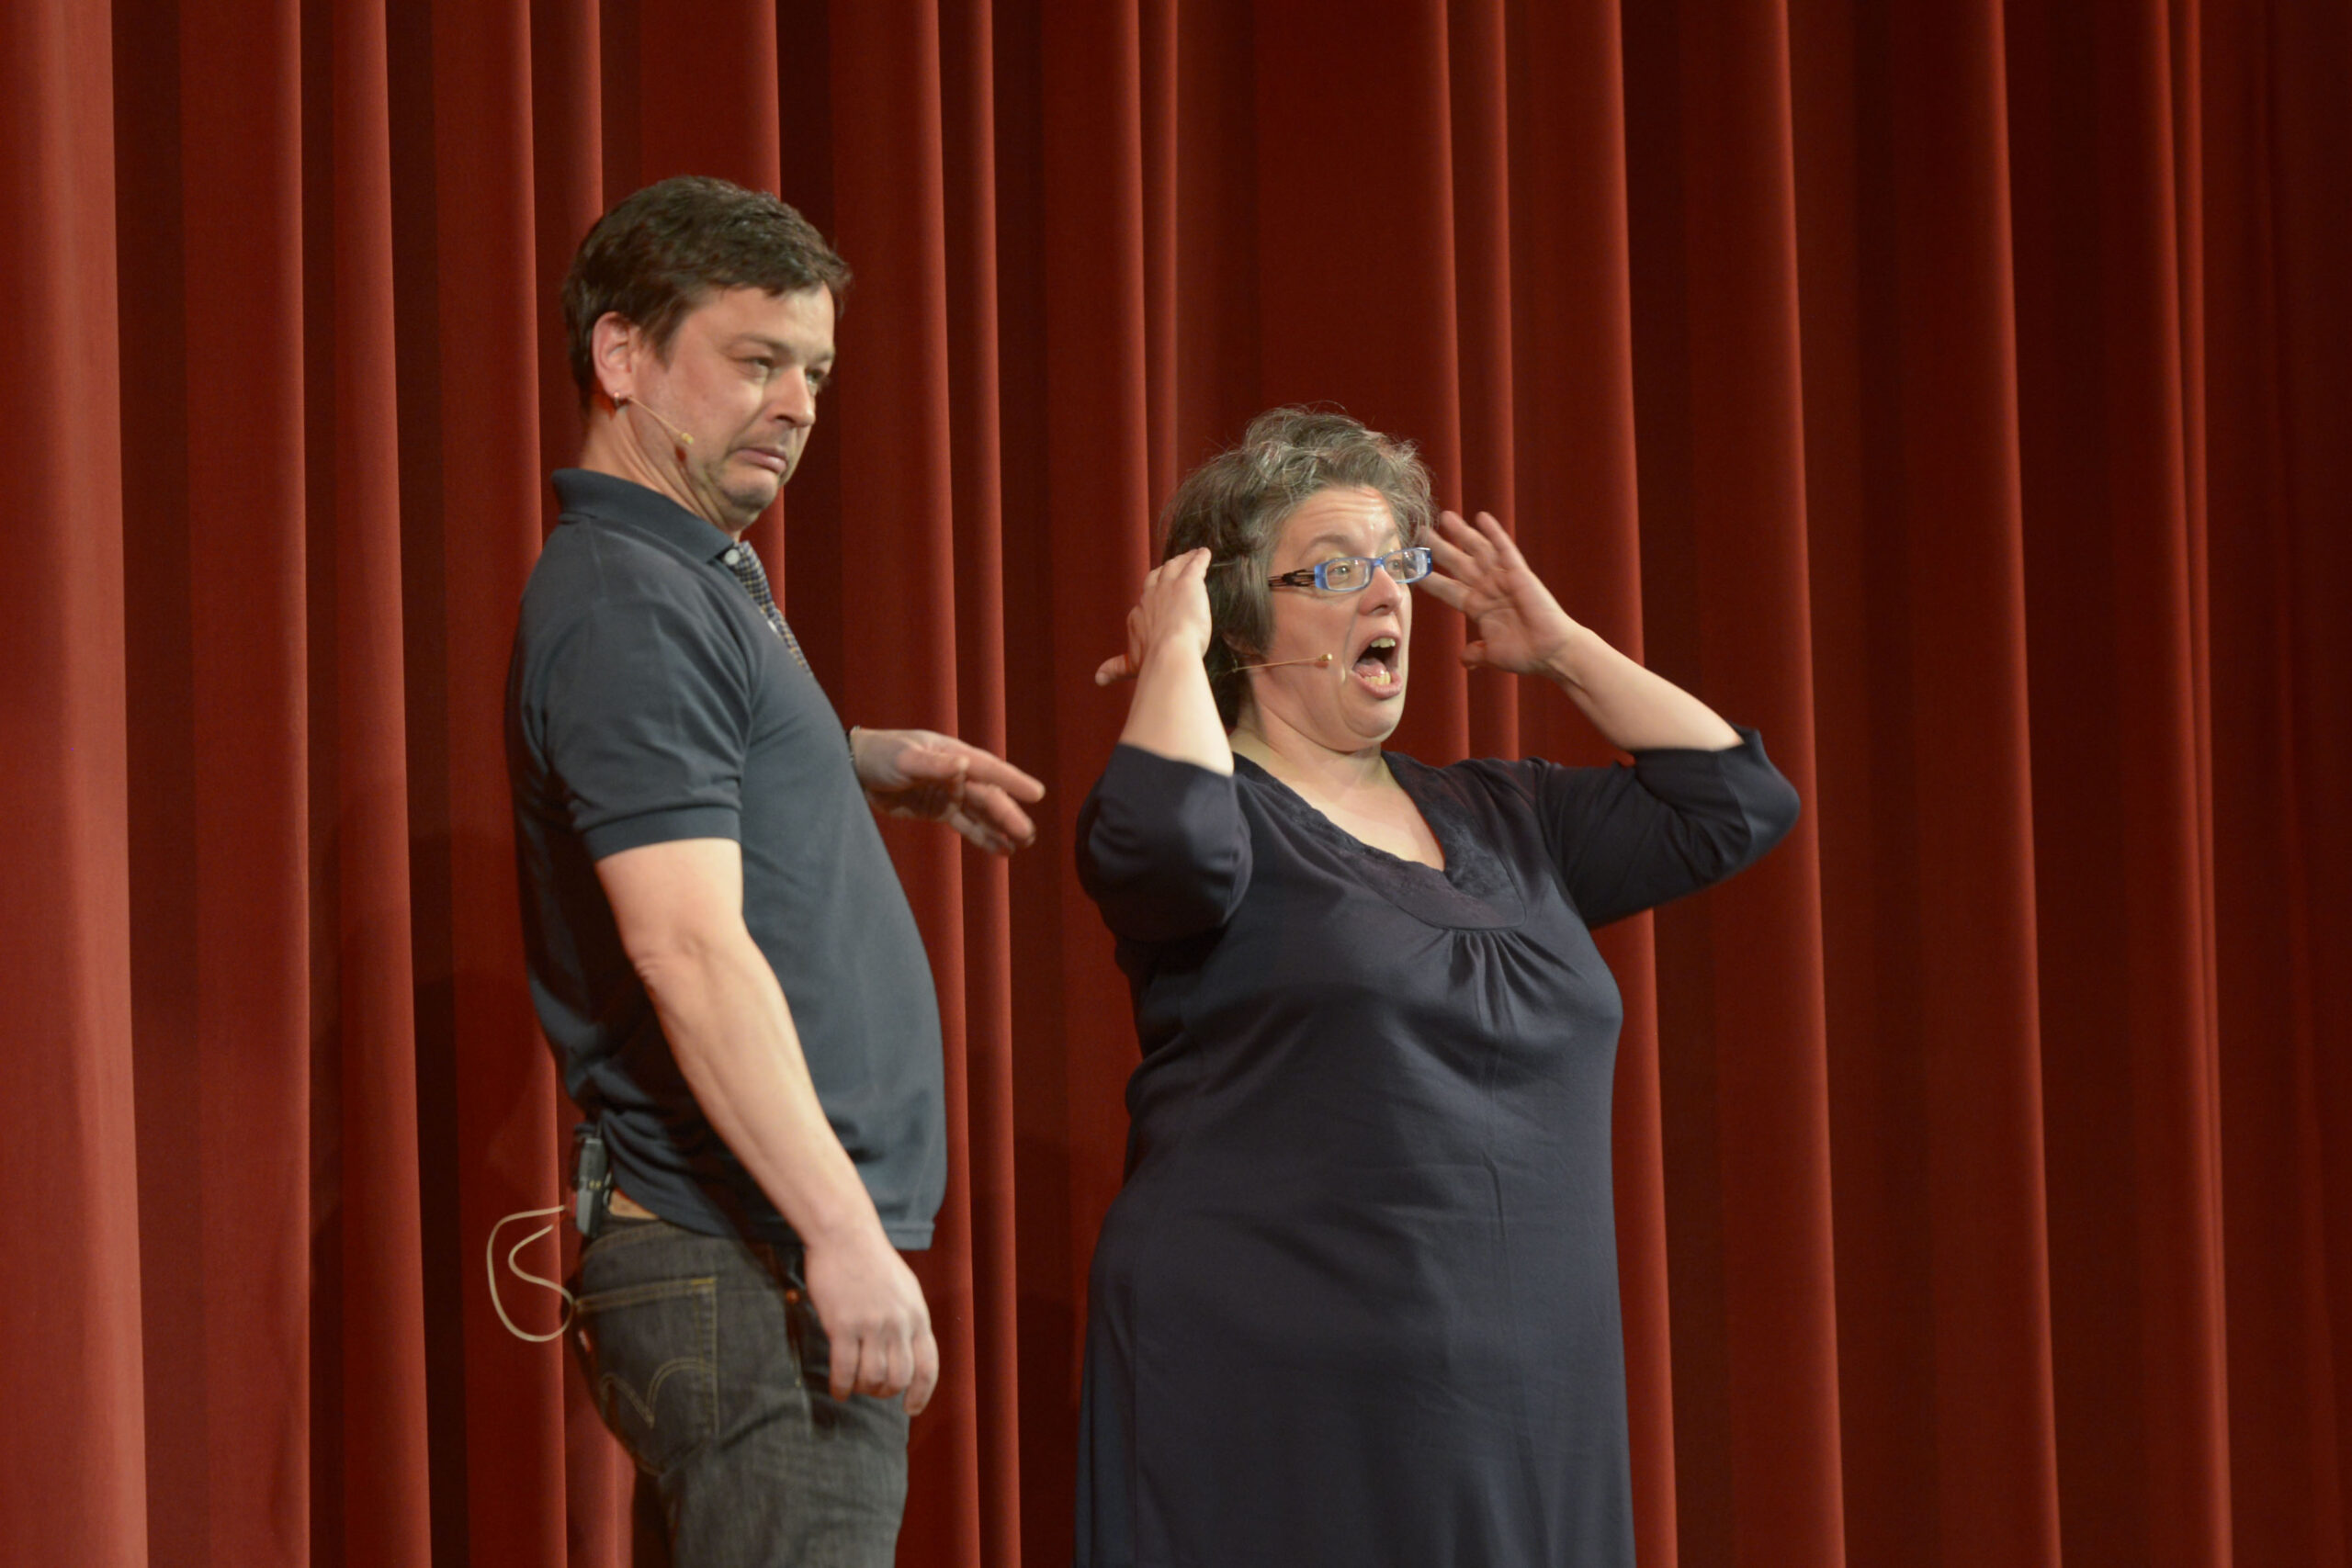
[742, 379]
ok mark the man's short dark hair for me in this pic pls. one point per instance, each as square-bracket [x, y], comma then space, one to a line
[669, 247]
[1236, 503]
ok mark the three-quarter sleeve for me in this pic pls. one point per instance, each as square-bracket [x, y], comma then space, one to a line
[1162, 847]
[1630, 838]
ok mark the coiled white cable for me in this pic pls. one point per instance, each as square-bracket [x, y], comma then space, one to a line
[490, 1262]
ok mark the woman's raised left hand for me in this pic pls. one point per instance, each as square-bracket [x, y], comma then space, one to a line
[1516, 624]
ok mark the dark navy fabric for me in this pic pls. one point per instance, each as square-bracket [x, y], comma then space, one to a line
[650, 701]
[1357, 1301]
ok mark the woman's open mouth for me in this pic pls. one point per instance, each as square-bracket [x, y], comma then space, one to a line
[1377, 666]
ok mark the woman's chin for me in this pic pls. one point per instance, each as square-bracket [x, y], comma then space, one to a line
[1379, 706]
[1377, 725]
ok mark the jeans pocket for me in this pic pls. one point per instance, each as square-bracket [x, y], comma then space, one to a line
[651, 1353]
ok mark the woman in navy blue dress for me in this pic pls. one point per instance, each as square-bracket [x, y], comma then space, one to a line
[1357, 1301]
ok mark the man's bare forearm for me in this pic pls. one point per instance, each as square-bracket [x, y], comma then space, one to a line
[679, 906]
[731, 1031]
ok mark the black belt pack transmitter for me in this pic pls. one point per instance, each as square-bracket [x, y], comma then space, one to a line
[592, 1179]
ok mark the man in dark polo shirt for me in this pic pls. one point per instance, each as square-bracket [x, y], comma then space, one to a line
[719, 951]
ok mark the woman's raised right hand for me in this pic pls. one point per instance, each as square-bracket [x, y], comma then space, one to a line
[1173, 613]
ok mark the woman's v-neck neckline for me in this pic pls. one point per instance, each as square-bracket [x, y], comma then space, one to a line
[1358, 839]
[1474, 889]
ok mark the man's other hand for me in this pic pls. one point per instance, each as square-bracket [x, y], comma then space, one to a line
[922, 773]
[875, 1317]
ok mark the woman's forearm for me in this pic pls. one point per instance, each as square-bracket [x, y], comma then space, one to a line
[1635, 709]
[1173, 713]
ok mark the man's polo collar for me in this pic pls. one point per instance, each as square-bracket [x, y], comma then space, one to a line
[584, 492]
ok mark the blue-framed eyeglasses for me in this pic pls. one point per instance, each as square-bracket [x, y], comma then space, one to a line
[1353, 574]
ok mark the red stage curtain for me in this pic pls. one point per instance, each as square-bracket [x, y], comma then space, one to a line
[1957, 391]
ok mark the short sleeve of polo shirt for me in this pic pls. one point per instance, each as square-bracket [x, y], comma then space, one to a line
[647, 712]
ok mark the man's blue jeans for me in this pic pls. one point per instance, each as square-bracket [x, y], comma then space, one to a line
[708, 1364]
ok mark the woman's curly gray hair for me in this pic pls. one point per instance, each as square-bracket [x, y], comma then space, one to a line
[1236, 503]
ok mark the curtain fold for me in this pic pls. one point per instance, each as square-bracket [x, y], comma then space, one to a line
[366, 1419]
[1077, 503]
[507, 1127]
[247, 1242]
[1954, 392]
[74, 1489]
[1913, 489]
[1719, 408]
[2118, 811]
[2274, 527]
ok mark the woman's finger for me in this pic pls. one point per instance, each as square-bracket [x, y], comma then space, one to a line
[1113, 668]
[1506, 548]
[1446, 590]
[1176, 566]
[1471, 542]
[1451, 556]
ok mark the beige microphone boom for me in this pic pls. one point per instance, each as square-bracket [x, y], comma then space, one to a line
[683, 439]
[1320, 662]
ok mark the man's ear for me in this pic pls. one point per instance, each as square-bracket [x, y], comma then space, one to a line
[614, 348]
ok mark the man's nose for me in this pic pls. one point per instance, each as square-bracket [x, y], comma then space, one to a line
[796, 400]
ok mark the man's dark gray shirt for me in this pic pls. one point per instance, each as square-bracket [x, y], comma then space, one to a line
[648, 701]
